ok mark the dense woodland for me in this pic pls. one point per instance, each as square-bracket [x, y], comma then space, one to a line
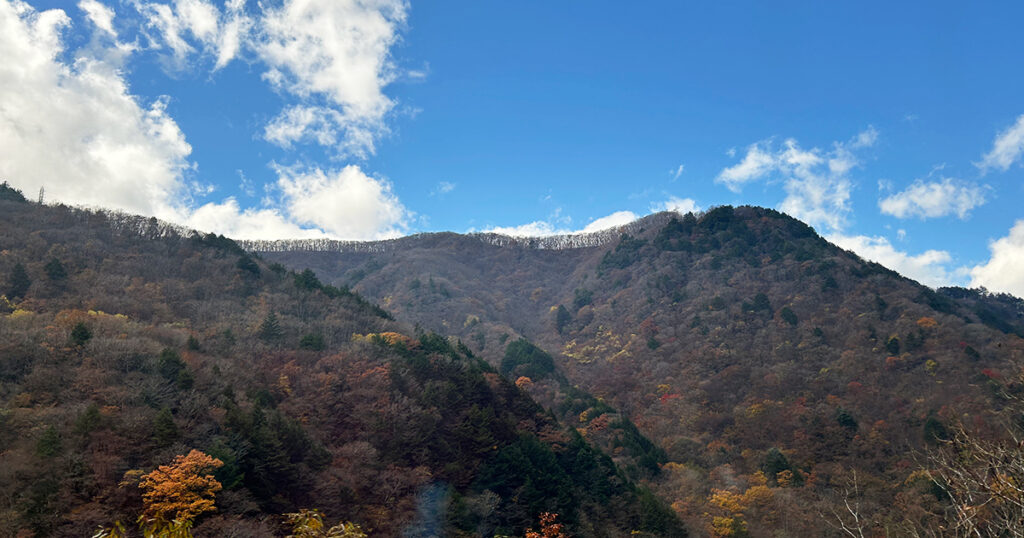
[760, 380]
[722, 374]
[153, 378]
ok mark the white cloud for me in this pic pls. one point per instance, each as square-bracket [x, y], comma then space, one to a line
[443, 187]
[196, 22]
[816, 182]
[931, 199]
[865, 138]
[229, 219]
[679, 205]
[677, 172]
[757, 164]
[610, 221]
[334, 53]
[1006, 149]
[929, 268]
[101, 16]
[75, 128]
[345, 203]
[540, 228]
[1003, 272]
[537, 228]
[329, 59]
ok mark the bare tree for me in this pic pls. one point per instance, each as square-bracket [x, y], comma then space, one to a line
[984, 480]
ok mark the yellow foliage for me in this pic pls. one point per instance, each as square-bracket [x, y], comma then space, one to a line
[755, 410]
[182, 490]
[759, 495]
[727, 500]
[604, 344]
[784, 478]
[663, 389]
[927, 323]
[524, 382]
[310, 524]
[727, 526]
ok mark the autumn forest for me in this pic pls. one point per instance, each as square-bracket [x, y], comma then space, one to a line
[727, 373]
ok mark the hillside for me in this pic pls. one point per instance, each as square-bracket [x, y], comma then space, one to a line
[125, 342]
[775, 370]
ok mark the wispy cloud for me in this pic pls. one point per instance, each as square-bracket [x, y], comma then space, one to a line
[679, 205]
[1006, 149]
[541, 228]
[677, 172]
[443, 187]
[931, 267]
[931, 199]
[816, 182]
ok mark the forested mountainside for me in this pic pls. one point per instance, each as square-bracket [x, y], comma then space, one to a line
[781, 378]
[146, 371]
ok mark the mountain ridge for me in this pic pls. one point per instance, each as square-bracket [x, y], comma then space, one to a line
[702, 328]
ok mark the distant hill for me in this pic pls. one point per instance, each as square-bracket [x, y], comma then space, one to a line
[125, 342]
[773, 369]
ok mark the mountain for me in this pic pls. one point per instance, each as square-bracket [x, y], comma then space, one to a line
[127, 343]
[776, 374]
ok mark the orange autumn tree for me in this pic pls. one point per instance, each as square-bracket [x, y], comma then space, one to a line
[548, 528]
[182, 490]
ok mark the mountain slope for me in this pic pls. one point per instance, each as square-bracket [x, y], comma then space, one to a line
[755, 354]
[125, 341]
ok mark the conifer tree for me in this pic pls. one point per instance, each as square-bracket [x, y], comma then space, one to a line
[18, 283]
[270, 329]
[55, 270]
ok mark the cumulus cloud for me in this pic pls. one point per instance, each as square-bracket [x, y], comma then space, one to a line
[1006, 149]
[929, 267]
[229, 219]
[345, 203]
[313, 203]
[931, 199]
[73, 127]
[1002, 271]
[679, 205]
[333, 53]
[816, 182]
[330, 60]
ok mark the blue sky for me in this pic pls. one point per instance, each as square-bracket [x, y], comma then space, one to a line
[897, 131]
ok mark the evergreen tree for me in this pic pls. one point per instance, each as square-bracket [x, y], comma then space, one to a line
[55, 270]
[562, 318]
[80, 334]
[18, 283]
[270, 329]
[165, 431]
[10, 194]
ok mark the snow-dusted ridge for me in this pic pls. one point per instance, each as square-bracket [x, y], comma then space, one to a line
[551, 242]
